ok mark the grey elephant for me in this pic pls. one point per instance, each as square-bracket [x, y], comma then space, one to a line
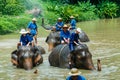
[59, 57]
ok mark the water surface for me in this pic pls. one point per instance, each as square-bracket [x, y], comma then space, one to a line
[104, 44]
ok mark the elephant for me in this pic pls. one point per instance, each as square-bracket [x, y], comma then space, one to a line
[59, 57]
[53, 39]
[26, 57]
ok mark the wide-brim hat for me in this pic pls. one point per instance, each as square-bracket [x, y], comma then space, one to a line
[79, 30]
[72, 17]
[65, 26]
[74, 72]
[34, 19]
[23, 31]
[59, 18]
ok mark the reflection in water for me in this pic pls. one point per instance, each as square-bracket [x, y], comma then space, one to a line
[104, 44]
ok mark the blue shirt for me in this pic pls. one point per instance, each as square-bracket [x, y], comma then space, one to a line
[74, 37]
[59, 24]
[73, 23]
[79, 78]
[64, 34]
[33, 28]
[25, 39]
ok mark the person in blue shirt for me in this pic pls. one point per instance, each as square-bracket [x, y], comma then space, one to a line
[25, 39]
[75, 74]
[72, 23]
[59, 24]
[65, 35]
[33, 30]
[74, 40]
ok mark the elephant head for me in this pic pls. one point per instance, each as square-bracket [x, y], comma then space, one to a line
[53, 39]
[27, 57]
[82, 57]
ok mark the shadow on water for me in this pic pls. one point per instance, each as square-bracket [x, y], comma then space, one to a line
[104, 44]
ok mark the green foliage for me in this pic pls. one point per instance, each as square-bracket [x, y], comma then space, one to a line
[11, 7]
[83, 11]
[107, 9]
[86, 11]
[11, 24]
[6, 27]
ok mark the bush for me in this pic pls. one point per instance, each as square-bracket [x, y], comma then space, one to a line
[86, 11]
[6, 27]
[10, 24]
[107, 9]
[13, 9]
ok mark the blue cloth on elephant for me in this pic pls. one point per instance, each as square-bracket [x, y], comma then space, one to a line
[73, 24]
[79, 78]
[33, 28]
[59, 25]
[25, 39]
[64, 34]
[73, 37]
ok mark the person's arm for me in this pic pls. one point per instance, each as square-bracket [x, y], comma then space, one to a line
[76, 43]
[28, 44]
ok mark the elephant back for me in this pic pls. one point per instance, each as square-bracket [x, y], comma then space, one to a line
[58, 56]
[83, 37]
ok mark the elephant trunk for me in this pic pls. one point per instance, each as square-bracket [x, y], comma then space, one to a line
[89, 64]
[27, 64]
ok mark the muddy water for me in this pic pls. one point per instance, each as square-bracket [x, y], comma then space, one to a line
[104, 44]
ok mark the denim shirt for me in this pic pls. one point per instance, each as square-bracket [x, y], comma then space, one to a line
[33, 28]
[79, 78]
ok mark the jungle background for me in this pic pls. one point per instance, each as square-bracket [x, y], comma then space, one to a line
[15, 14]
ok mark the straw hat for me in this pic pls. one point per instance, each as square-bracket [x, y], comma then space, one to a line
[72, 17]
[59, 18]
[23, 31]
[74, 72]
[79, 30]
[65, 26]
[34, 19]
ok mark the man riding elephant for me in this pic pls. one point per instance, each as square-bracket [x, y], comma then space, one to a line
[27, 54]
[59, 57]
[53, 39]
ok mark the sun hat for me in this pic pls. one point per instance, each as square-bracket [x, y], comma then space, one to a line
[23, 31]
[59, 18]
[34, 19]
[72, 17]
[74, 72]
[79, 30]
[65, 26]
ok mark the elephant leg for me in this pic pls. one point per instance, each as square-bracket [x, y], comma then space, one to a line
[50, 46]
[14, 62]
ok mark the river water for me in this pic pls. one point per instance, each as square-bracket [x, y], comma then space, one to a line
[104, 44]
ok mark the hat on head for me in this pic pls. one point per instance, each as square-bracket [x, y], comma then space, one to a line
[34, 19]
[65, 26]
[74, 72]
[23, 31]
[59, 18]
[72, 17]
[79, 30]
